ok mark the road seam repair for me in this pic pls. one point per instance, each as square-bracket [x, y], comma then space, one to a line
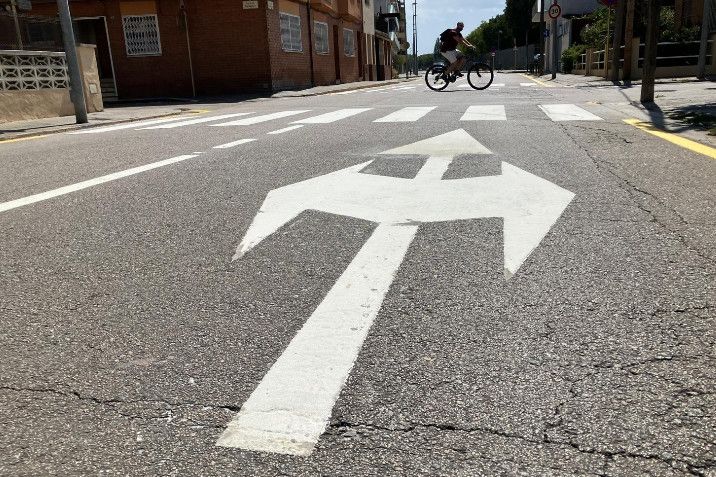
[673, 138]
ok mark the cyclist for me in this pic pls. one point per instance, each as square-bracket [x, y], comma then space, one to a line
[449, 40]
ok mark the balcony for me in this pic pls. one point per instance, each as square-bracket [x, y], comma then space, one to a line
[326, 6]
[350, 10]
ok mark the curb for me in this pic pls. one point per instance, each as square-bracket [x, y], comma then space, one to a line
[72, 127]
[299, 94]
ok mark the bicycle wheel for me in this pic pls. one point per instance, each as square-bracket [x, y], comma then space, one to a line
[434, 78]
[480, 76]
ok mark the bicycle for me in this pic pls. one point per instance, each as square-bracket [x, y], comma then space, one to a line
[479, 75]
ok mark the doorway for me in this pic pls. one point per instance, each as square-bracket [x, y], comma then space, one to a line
[337, 53]
[94, 31]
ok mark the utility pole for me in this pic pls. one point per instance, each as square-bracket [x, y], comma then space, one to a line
[541, 36]
[415, 37]
[77, 93]
[705, 23]
[13, 7]
[618, 38]
[652, 38]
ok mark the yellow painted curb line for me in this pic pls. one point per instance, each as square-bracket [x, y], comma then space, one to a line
[539, 82]
[673, 138]
[4, 141]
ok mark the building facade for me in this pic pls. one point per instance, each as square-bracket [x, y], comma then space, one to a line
[179, 48]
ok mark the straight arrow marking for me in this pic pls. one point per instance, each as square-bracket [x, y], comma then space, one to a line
[291, 407]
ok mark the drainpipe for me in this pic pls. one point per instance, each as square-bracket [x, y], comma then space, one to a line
[182, 7]
[310, 42]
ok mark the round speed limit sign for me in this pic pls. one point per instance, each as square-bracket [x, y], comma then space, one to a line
[555, 11]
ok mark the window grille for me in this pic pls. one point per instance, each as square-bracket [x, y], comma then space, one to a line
[291, 33]
[141, 35]
[321, 31]
[349, 42]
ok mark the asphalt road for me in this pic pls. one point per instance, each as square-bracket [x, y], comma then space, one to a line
[130, 338]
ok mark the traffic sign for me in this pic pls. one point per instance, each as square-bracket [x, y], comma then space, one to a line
[492, 54]
[555, 11]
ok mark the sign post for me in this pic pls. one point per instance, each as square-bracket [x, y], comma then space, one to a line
[554, 13]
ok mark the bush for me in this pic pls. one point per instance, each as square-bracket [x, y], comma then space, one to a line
[570, 57]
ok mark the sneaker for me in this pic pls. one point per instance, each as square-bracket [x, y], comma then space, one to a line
[459, 74]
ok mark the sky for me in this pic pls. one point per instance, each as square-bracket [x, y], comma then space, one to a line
[434, 16]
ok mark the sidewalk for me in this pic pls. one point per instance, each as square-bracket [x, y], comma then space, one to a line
[134, 111]
[339, 88]
[685, 106]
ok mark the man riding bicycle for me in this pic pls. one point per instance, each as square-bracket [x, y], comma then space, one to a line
[449, 40]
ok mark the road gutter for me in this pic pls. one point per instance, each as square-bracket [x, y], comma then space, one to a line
[673, 138]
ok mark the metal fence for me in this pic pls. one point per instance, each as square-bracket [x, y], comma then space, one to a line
[31, 33]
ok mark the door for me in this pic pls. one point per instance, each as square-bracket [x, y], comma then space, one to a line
[337, 53]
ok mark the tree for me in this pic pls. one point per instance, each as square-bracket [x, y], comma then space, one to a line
[518, 15]
[484, 37]
[594, 35]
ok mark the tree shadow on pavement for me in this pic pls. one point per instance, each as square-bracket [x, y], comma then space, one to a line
[687, 117]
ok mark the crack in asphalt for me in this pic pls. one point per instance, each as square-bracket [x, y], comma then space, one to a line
[633, 189]
[168, 412]
[698, 469]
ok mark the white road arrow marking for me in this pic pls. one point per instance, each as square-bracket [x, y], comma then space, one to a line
[292, 405]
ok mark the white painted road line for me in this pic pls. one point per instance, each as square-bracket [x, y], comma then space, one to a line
[406, 115]
[290, 128]
[130, 125]
[13, 204]
[494, 112]
[434, 168]
[528, 85]
[197, 121]
[333, 116]
[262, 119]
[567, 112]
[291, 407]
[235, 143]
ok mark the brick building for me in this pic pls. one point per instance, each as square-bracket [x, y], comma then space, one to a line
[165, 48]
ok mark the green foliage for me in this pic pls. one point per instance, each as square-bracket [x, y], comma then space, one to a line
[426, 61]
[484, 37]
[518, 14]
[668, 30]
[571, 55]
[594, 34]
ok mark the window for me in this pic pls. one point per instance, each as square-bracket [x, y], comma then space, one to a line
[349, 42]
[321, 32]
[291, 32]
[141, 35]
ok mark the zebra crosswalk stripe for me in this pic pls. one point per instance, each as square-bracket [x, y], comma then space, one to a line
[197, 121]
[263, 118]
[494, 112]
[332, 116]
[567, 112]
[406, 115]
